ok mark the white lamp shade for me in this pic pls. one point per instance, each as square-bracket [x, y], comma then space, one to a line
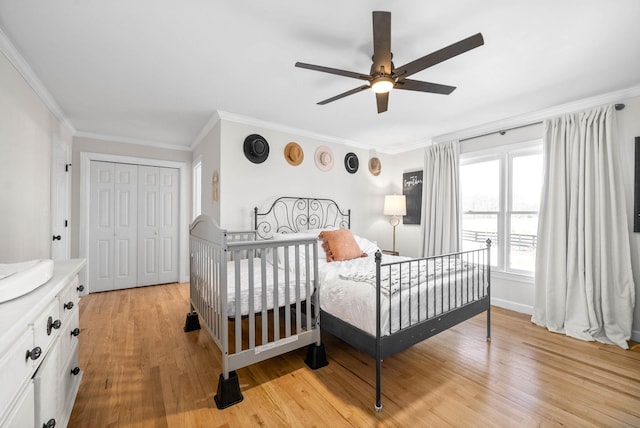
[395, 205]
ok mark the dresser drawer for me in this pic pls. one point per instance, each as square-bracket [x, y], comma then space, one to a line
[70, 377]
[16, 369]
[69, 334]
[22, 414]
[46, 326]
[47, 387]
[69, 298]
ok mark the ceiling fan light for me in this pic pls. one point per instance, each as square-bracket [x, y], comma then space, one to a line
[382, 85]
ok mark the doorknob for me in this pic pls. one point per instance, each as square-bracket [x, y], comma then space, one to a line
[57, 237]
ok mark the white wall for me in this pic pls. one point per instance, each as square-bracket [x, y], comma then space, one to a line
[27, 132]
[208, 151]
[243, 184]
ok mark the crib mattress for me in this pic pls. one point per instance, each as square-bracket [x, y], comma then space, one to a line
[289, 289]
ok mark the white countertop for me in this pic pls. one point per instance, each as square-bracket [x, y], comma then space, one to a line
[26, 307]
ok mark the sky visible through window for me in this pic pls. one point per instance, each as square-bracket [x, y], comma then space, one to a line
[484, 216]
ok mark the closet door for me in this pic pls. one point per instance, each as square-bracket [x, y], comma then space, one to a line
[157, 225]
[168, 225]
[101, 227]
[125, 226]
[113, 225]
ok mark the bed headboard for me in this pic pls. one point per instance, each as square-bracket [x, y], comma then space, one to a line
[289, 215]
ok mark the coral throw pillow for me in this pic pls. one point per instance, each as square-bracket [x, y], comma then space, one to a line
[340, 245]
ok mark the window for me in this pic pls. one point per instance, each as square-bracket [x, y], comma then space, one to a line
[500, 192]
[197, 188]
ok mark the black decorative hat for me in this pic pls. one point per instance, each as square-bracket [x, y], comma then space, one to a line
[351, 163]
[256, 148]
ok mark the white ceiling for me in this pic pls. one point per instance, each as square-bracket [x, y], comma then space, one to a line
[157, 71]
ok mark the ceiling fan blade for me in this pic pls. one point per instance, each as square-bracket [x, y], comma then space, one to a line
[344, 94]
[440, 55]
[417, 85]
[382, 99]
[339, 72]
[381, 42]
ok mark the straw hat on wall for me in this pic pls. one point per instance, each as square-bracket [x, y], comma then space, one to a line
[324, 158]
[375, 166]
[293, 153]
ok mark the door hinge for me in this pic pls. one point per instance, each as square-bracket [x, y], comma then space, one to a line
[66, 223]
[67, 166]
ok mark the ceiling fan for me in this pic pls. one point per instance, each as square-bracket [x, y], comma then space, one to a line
[384, 76]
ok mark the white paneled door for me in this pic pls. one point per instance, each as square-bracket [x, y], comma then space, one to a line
[132, 241]
[158, 225]
[113, 226]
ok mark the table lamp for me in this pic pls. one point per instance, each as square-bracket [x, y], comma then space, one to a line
[395, 206]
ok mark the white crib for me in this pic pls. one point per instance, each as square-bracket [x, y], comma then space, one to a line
[257, 298]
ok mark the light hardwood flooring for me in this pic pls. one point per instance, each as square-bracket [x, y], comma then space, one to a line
[142, 370]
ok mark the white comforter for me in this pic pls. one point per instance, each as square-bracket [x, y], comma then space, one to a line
[354, 301]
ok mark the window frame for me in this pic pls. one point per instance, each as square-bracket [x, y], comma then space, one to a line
[505, 155]
[196, 183]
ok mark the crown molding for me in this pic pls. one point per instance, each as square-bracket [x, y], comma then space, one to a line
[27, 73]
[213, 120]
[540, 115]
[246, 120]
[139, 142]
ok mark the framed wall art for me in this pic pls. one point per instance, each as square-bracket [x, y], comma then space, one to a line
[412, 189]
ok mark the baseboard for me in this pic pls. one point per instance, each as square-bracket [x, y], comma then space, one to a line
[635, 335]
[512, 306]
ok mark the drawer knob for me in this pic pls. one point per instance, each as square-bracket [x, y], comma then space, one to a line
[75, 371]
[80, 288]
[34, 354]
[52, 324]
[50, 424]
[68, 305]
[75, 332]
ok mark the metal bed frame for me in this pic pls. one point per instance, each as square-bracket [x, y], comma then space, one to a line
[381, 346]
[298, 214]
[294, 214]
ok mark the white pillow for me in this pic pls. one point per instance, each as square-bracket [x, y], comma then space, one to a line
[366, 246]
[306, 234]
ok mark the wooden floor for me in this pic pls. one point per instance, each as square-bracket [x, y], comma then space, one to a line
[142, 370]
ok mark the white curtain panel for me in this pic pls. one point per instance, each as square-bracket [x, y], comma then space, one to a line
[440, 226]
[583, 286]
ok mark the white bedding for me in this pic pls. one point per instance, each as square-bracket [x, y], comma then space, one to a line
[355, 301]
[258, 287]
[347, 289]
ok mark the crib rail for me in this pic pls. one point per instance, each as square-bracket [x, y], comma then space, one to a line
[278, 279]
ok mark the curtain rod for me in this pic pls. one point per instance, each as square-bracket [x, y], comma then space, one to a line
[504, 131]
[501, 131]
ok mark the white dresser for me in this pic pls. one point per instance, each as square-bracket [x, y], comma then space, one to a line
[39, 372]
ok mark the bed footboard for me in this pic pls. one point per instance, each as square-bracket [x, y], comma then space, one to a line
[257, 299]
[456, 288]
